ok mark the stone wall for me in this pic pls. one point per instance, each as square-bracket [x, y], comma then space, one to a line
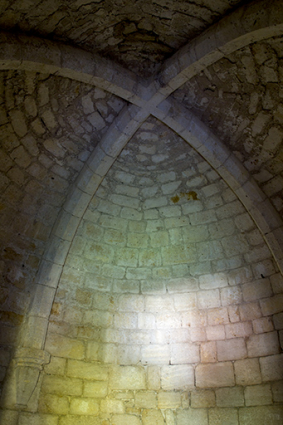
[168, 310]
[49, 127]
[247, 85]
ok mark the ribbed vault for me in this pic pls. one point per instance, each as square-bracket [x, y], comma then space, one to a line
[141, 220]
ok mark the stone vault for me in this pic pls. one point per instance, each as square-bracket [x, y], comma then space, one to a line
[141, 175]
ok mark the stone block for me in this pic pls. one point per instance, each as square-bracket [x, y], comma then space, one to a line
[202, 217]
[51, 403]
[278, 321]
[61, 386]
[261, 415]
[277, 283]
[231, 295]
[198, 334]
[132, 214]
[158, 239]
[184, 353]
[231, 349]
[128, 355]
[208, 352]
[155, 354]
[131, 303]
[79, 420]
[271, 368]
[190, 235]
[208, 299]
[125, 420]
[113, 222]
[208, 251]
[146, 399]
[247, 372]
[100, 253]
[137, 240]
[215, 332]
[61, 346]
[230, 397]
[258, 395]
[184, 302]
[262, 325]
[237, 330]
[152, 286]
[202, 398]
[84, 406]
[277, 391]
[249, 311]
[37, 419]
[98, 318]
[127, 378]
[112, 406]
[108, 353]
[263, 344]
[153, 377]
[56, 366]
[168, 321]
[87, 370]
[194, 319]
[240, 276]
[127, 257]
[159, 304]
[256, 290]
[155, 202]
[125, 201]
[181, 285]
[9, 417]
[114, 237]
[177, 377]
[169, 400]
[217, 316]
[272, 305]
[146, 321]
[149, 258]
[215, 375]
[152, 416]
[95, 389]
[126, 320]
[223, 416]
[192, 417]
[178, 254]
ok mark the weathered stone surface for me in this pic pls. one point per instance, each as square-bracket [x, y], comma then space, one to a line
[230, 397]
[83, 370]
[261, 415]
[231, 349]
[37, 419]
[227, 416]
[192, 416]
[127, 377]
[125, 420]
[62, 386]
[263, 345]
[271, 367]
[203, 398]
[258, 395]
[247, 372]
[215, 375]
[177, 377]
[84, 406]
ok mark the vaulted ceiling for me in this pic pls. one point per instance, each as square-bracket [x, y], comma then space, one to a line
[79, 78]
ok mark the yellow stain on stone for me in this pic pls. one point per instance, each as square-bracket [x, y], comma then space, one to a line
[191, 195]
[175, 199]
